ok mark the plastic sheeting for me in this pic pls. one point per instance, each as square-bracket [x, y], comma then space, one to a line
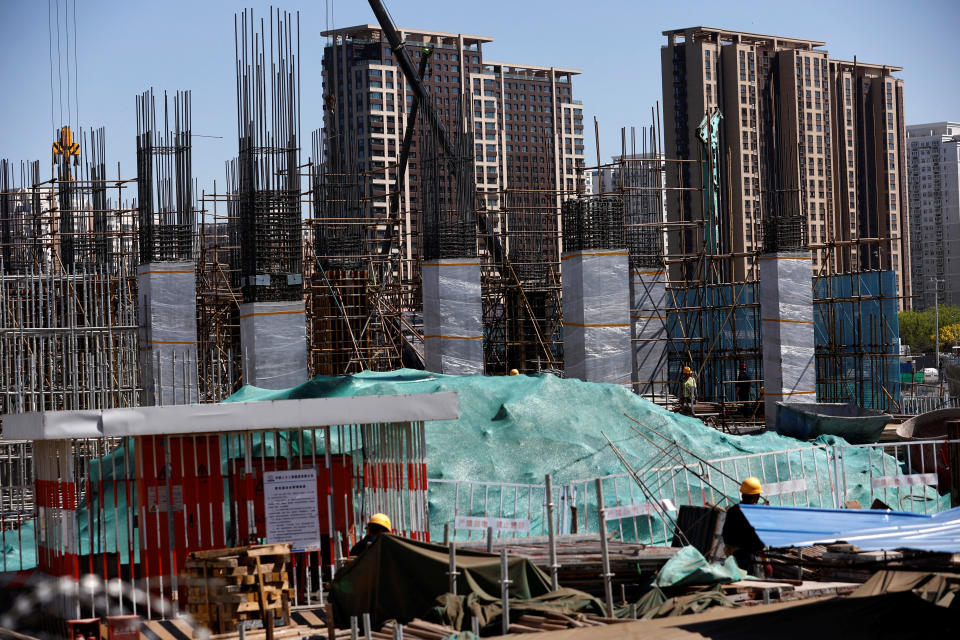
[858, 339]
[519, 428]
[596, 316]
[167, 295]
[786, 312]
[648, 290]
[452, 316]
[689, 567]
[718, 327]
[516, 429]
[866, 528]
[273, 336]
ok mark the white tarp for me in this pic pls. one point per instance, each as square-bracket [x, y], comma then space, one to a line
[596, 316]
[167, 308]
[273, 336]
[452, 316]
[786, 319]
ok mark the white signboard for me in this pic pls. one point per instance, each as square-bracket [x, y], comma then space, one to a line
[498, 524]
[912, 480]
[639, 509]
[787, 486]
[158, 502]
[290, 498]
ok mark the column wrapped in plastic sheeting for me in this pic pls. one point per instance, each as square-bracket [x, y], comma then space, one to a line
[596, 316]
[648, 304]
[452, 316]
[167, 305]
[786, 313]
[274, 342]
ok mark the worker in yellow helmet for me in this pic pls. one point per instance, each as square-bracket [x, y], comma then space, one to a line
[379, 523]
[739, 538]
[514, 372]
[689, 390]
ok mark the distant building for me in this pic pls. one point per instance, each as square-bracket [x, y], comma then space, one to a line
[933, 164]
[527, 126]
[802, 135]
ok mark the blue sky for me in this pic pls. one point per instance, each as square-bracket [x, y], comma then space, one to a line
[125, 47]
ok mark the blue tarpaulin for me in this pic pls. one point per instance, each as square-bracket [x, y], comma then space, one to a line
[868, 529]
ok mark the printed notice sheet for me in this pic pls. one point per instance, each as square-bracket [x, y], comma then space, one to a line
[290, 499]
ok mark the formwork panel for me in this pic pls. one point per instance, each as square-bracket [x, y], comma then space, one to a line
[596, 312]
[273, 336]
[452, 316]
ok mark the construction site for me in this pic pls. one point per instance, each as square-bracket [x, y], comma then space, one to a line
[555, 381]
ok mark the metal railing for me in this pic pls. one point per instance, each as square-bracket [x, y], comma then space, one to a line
[512, 509]
[906, 476]
[915, 405]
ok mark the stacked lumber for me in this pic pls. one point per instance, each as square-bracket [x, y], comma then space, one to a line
[551, 621]
[580, 559]
[416, 629]
[228, 586]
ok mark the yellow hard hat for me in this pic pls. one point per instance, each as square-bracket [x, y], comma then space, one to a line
[382, 520]
[514, 372]
[751, 487]
[687, 370]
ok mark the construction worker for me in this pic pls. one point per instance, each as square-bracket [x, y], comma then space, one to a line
[739, 538]
[514, 372]
[689, 390]
[379, 523]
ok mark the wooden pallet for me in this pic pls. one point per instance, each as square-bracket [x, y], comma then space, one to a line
[228, 586]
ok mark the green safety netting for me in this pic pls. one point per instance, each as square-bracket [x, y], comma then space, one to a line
[516, 429]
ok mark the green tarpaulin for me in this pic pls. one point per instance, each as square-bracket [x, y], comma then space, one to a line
[400, 579]
[689, 567]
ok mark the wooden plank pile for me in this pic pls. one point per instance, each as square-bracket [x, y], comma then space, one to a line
[416, 629]
[580, 560]
[228, 586]
[550, 621]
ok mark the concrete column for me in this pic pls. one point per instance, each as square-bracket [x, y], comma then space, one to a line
[167, 307]
[273, 337]
[452, 316]
[786, 319]
[596, 316]
[648, 291]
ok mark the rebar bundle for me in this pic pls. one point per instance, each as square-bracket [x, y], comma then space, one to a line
[164, 179]
[21, 216]
[448, 216]
[84, 220]
[641, 176]
[338, 196]
[784, 233]
[593, 223]
[268, 184]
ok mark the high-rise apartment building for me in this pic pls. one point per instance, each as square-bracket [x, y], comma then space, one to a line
[803, 137]
[527, 127]
[933, 166]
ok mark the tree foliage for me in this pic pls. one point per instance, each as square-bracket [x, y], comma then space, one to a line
[950, 336]
[917, 328]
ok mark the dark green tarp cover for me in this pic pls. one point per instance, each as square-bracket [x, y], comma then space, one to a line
[655, 603]
[404, 579]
